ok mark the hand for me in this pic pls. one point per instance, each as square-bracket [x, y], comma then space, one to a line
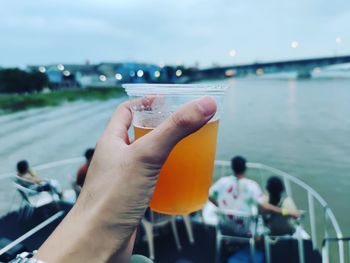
[295, 214]
[118, 187]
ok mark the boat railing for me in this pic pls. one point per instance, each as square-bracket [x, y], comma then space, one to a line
[64, 171]
[320, 227]
[325, 225]
[326, 250]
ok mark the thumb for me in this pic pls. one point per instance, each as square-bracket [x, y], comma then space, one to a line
[157, 144]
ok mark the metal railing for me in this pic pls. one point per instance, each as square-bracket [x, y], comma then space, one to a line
[64, 171]
[325, 247]
[312, 196]
[69, 166]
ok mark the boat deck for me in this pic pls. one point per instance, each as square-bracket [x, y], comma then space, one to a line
[202, 251]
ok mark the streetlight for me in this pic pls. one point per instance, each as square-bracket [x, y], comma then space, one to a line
[178, 73]
[42, 69]
[140, 73]
[294, 44]
[232, 53]
[60, 67]
[66, 73]
[118, 76]
[157, 73]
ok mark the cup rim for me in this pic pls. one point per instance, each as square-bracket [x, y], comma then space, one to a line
[143, 89]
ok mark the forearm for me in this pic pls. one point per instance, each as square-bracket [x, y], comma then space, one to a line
[84, 241]
[268, 207]
[99, 229]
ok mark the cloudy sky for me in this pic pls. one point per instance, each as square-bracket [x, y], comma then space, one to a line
[164, 31]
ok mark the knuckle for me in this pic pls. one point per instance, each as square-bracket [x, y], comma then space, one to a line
[180, 121]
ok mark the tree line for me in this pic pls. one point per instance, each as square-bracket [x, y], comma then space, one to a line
[15, 80]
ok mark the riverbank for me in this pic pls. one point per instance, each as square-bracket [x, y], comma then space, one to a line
[12, 103]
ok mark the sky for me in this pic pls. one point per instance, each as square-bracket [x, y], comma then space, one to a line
[191, 32]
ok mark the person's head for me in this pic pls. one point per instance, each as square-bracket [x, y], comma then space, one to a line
[89, 153]
[275, 188]
[22, 167]
[238, 165]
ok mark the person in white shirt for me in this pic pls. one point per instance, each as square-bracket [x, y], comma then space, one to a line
[238, 193]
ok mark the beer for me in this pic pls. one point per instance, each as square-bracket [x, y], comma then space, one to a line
[186, 176]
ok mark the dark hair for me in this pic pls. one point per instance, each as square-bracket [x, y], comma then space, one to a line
[238, 165]
[22, 167]
[275, 188]
[89, 153]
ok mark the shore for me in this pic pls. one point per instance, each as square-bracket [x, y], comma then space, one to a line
[18, 102]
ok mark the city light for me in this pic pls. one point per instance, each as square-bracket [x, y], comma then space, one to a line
[42, 69]
[60, 67]
[66, 73]
[118, 76]
[294, 44]
[157, 74]
[103, 78]
[317, 70]
[140, 73]
[178, 73]
[259, 71]
[338, 40]
[132, 74]
[161, 65]
[230, 72]
[232, 53]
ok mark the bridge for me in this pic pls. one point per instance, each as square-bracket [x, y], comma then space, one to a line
[303, 68]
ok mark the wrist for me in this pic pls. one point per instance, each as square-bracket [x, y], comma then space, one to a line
[284, 212]
[86, 235]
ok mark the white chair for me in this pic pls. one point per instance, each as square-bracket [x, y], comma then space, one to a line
[32, 199]
[157, 220]
[235, 226]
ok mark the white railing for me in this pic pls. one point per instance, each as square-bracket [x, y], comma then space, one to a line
[222, 168]
[312, 196]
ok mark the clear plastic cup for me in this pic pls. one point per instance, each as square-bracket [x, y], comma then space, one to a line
[186, 176]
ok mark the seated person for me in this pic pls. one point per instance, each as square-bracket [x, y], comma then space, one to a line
[28, 178]
[238, 193]
[278, 224]
[84, 168]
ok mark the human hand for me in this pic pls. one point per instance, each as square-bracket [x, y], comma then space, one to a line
[119, 185]
[295, 214]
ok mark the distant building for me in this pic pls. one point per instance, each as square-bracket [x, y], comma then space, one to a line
[108, 74]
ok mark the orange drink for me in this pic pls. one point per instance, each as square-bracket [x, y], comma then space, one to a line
[185, 178]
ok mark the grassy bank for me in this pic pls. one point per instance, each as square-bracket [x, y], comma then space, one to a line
[12, 103]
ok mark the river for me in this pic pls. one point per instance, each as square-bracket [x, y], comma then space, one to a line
[299, 126]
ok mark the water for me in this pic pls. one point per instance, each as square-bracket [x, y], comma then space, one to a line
[301, 127]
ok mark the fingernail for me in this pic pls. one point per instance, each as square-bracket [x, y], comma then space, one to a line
[207, 105]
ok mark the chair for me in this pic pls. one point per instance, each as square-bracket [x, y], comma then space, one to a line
[154, 220]
[299, 237]
[235, 226]
[32, 199]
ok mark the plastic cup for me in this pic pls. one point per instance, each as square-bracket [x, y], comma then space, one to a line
[186, 176]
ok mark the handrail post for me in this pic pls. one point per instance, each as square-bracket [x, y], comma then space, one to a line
[326, 236]
[301, 250]
[287, 186]
[312, 220]
[325, 254]
[267, 249]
